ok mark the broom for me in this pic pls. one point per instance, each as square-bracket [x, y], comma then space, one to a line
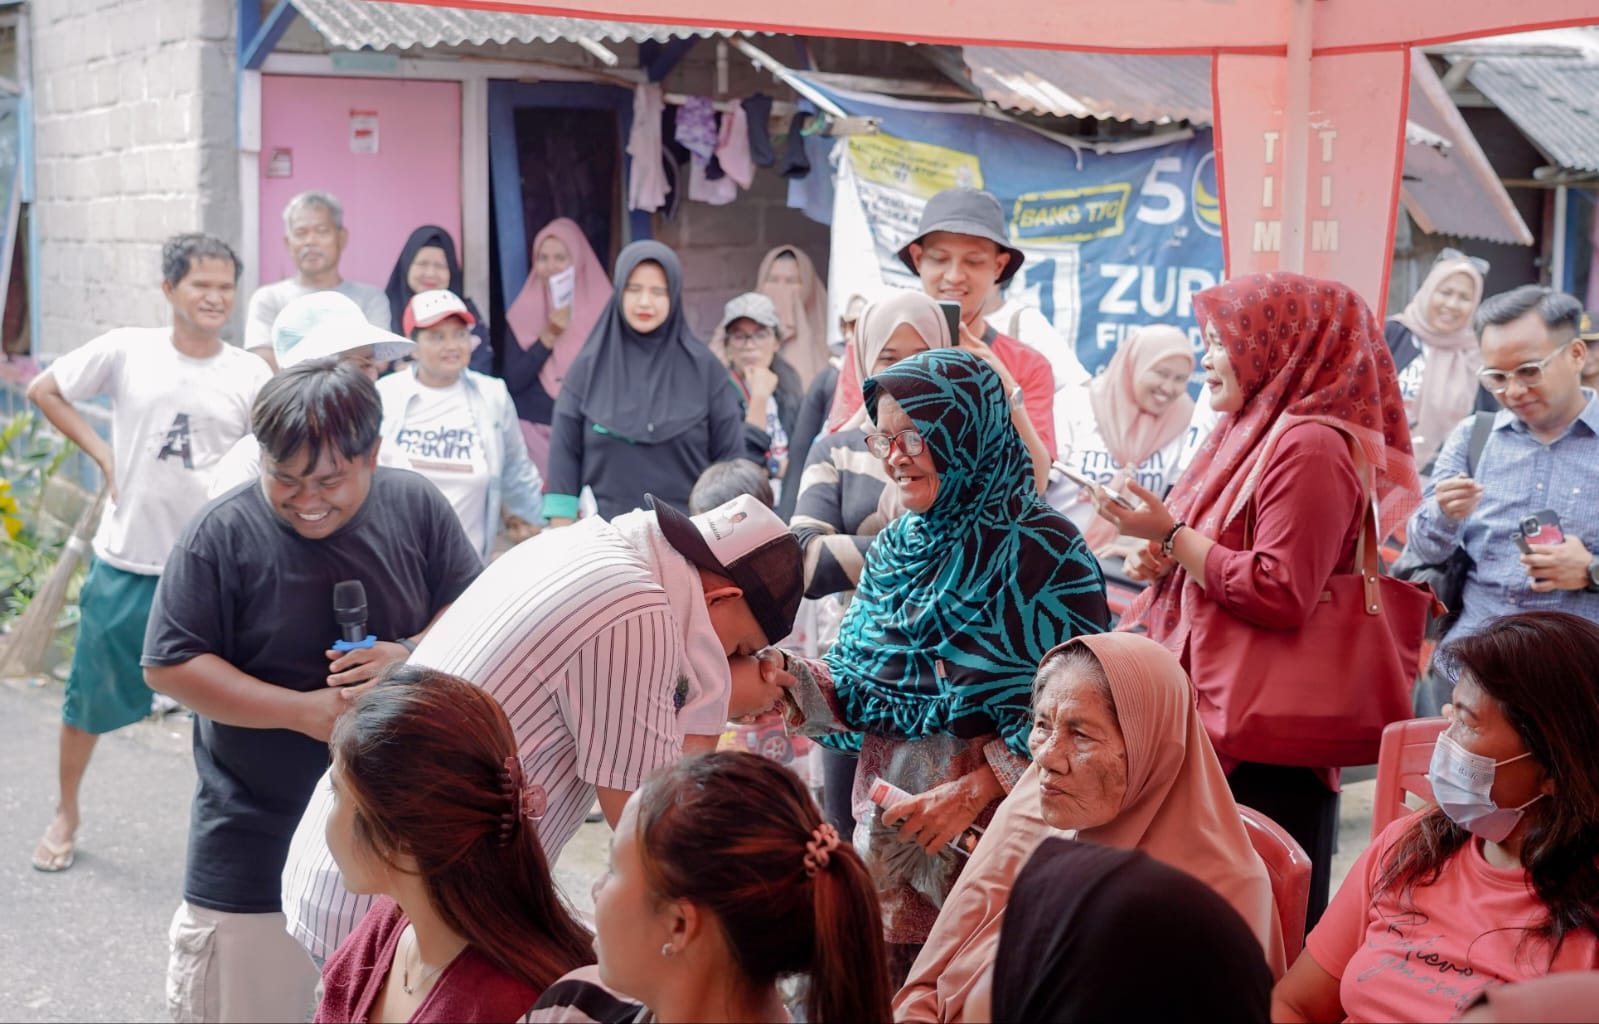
[30, 637]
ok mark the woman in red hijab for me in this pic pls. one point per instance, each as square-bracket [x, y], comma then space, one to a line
[1271, 506]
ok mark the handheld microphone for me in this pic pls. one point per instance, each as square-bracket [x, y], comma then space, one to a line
[349, 611]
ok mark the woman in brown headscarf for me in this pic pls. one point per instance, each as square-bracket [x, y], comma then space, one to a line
[788, 277]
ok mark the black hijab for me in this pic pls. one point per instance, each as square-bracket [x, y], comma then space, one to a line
[1099, 933]
[399, 290]
[651, 387]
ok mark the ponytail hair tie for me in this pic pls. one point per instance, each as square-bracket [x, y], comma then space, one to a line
[525, 802]
[824, 840]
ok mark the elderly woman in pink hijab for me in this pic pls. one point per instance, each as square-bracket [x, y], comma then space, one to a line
[1132, 422]
[1435, 351]
[788, 277]
[1120, 758]
[545, 337]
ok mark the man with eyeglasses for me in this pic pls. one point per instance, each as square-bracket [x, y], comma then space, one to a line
[313, 230]
[1540, 457]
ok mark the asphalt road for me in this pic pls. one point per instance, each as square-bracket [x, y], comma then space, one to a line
[89, 944]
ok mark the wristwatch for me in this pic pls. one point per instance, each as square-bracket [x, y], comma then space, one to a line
[1593, 577]
[1017, 401]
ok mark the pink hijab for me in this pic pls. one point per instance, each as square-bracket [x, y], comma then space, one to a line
[1449, 379]
[591, 291]
[1177, 809]
[1131, 434]
[802, 308]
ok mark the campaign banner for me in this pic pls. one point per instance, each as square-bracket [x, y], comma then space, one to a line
[1113, 240]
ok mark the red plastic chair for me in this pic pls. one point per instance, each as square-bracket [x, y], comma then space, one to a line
[1288, 866]
[1402, 762]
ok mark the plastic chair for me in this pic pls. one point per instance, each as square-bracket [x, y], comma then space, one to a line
[1288, 867]
[1402, 762]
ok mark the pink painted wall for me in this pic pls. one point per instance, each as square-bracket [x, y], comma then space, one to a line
[413, 179]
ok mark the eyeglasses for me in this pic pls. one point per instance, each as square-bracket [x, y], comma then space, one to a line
[1447, 254]
[909, 441]
[1528, 375]
[740, 338]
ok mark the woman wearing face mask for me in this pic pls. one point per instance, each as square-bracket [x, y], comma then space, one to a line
[788, 277]
[1435, 351]
[1132, 422]
[545, 339]
[722, 879]
[432, 814]
[1120, 759]
[1497, 884]
[957, 602]
[645, 407]
[428, 263]
[1273, 504]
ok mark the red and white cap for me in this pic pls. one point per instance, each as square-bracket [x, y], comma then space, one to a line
[427, 309]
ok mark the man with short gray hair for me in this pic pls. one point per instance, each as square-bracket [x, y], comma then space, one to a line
[313, 229]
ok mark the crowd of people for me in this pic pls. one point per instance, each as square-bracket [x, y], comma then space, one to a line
[436, 592]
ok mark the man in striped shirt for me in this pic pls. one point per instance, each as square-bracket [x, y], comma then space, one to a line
[614, 647]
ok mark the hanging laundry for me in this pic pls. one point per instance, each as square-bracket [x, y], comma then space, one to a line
[796, 164]
[696, 126]
[646, 185]
[733, 147]
[758, 113]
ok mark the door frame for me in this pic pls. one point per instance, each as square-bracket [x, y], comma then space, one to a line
[505, 172]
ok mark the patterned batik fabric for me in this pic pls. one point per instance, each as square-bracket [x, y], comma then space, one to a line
[957, 605]
[1304, 351]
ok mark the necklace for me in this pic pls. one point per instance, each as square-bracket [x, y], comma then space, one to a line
[427, 975]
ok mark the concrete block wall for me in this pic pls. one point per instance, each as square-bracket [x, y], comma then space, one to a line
[721, 246]
[135, 141]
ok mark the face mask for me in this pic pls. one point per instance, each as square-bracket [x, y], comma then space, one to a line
[1461, 783]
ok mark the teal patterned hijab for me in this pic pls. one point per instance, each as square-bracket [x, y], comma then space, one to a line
[957, 605]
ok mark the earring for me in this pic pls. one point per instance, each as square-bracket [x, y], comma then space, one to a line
[667, 950]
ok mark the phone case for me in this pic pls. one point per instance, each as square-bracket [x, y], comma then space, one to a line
[1542, 528]
[1521, 542]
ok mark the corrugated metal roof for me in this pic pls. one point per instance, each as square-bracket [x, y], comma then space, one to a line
[353, 24]
[1452, 189]
[1119, 86]
[1553, 100]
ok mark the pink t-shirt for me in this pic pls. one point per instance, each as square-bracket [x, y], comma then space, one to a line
[1462, 938]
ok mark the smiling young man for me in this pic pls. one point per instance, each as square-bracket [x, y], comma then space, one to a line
[314, 232]
[180, 398]
[615, 648]
[961, 254]
[241, 631]
[1540, 456]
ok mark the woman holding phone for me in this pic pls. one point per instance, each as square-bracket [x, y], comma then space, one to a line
[1273, 503]
[545, 337]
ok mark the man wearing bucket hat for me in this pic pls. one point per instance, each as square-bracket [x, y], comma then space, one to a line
[961, 254]
[615, 648]
[321, 325]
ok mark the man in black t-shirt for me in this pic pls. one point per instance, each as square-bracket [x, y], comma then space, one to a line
[241, 631]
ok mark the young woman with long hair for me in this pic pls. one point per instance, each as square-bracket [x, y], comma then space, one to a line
[432, 811]
[1499, 883]
[724, 879]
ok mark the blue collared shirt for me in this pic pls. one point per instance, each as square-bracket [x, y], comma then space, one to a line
[1520, 475]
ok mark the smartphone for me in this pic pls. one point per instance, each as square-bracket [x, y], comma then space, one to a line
[952, 316]
[1083, 481]
[1542, 528]
[1521, 542]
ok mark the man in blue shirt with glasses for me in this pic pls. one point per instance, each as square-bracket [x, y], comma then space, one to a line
[1528, 518]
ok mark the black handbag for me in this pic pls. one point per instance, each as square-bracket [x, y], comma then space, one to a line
[1447, 578]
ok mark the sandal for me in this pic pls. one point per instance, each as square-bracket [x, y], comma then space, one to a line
[50, 857]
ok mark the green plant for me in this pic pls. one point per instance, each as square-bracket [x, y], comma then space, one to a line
[30, 454]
